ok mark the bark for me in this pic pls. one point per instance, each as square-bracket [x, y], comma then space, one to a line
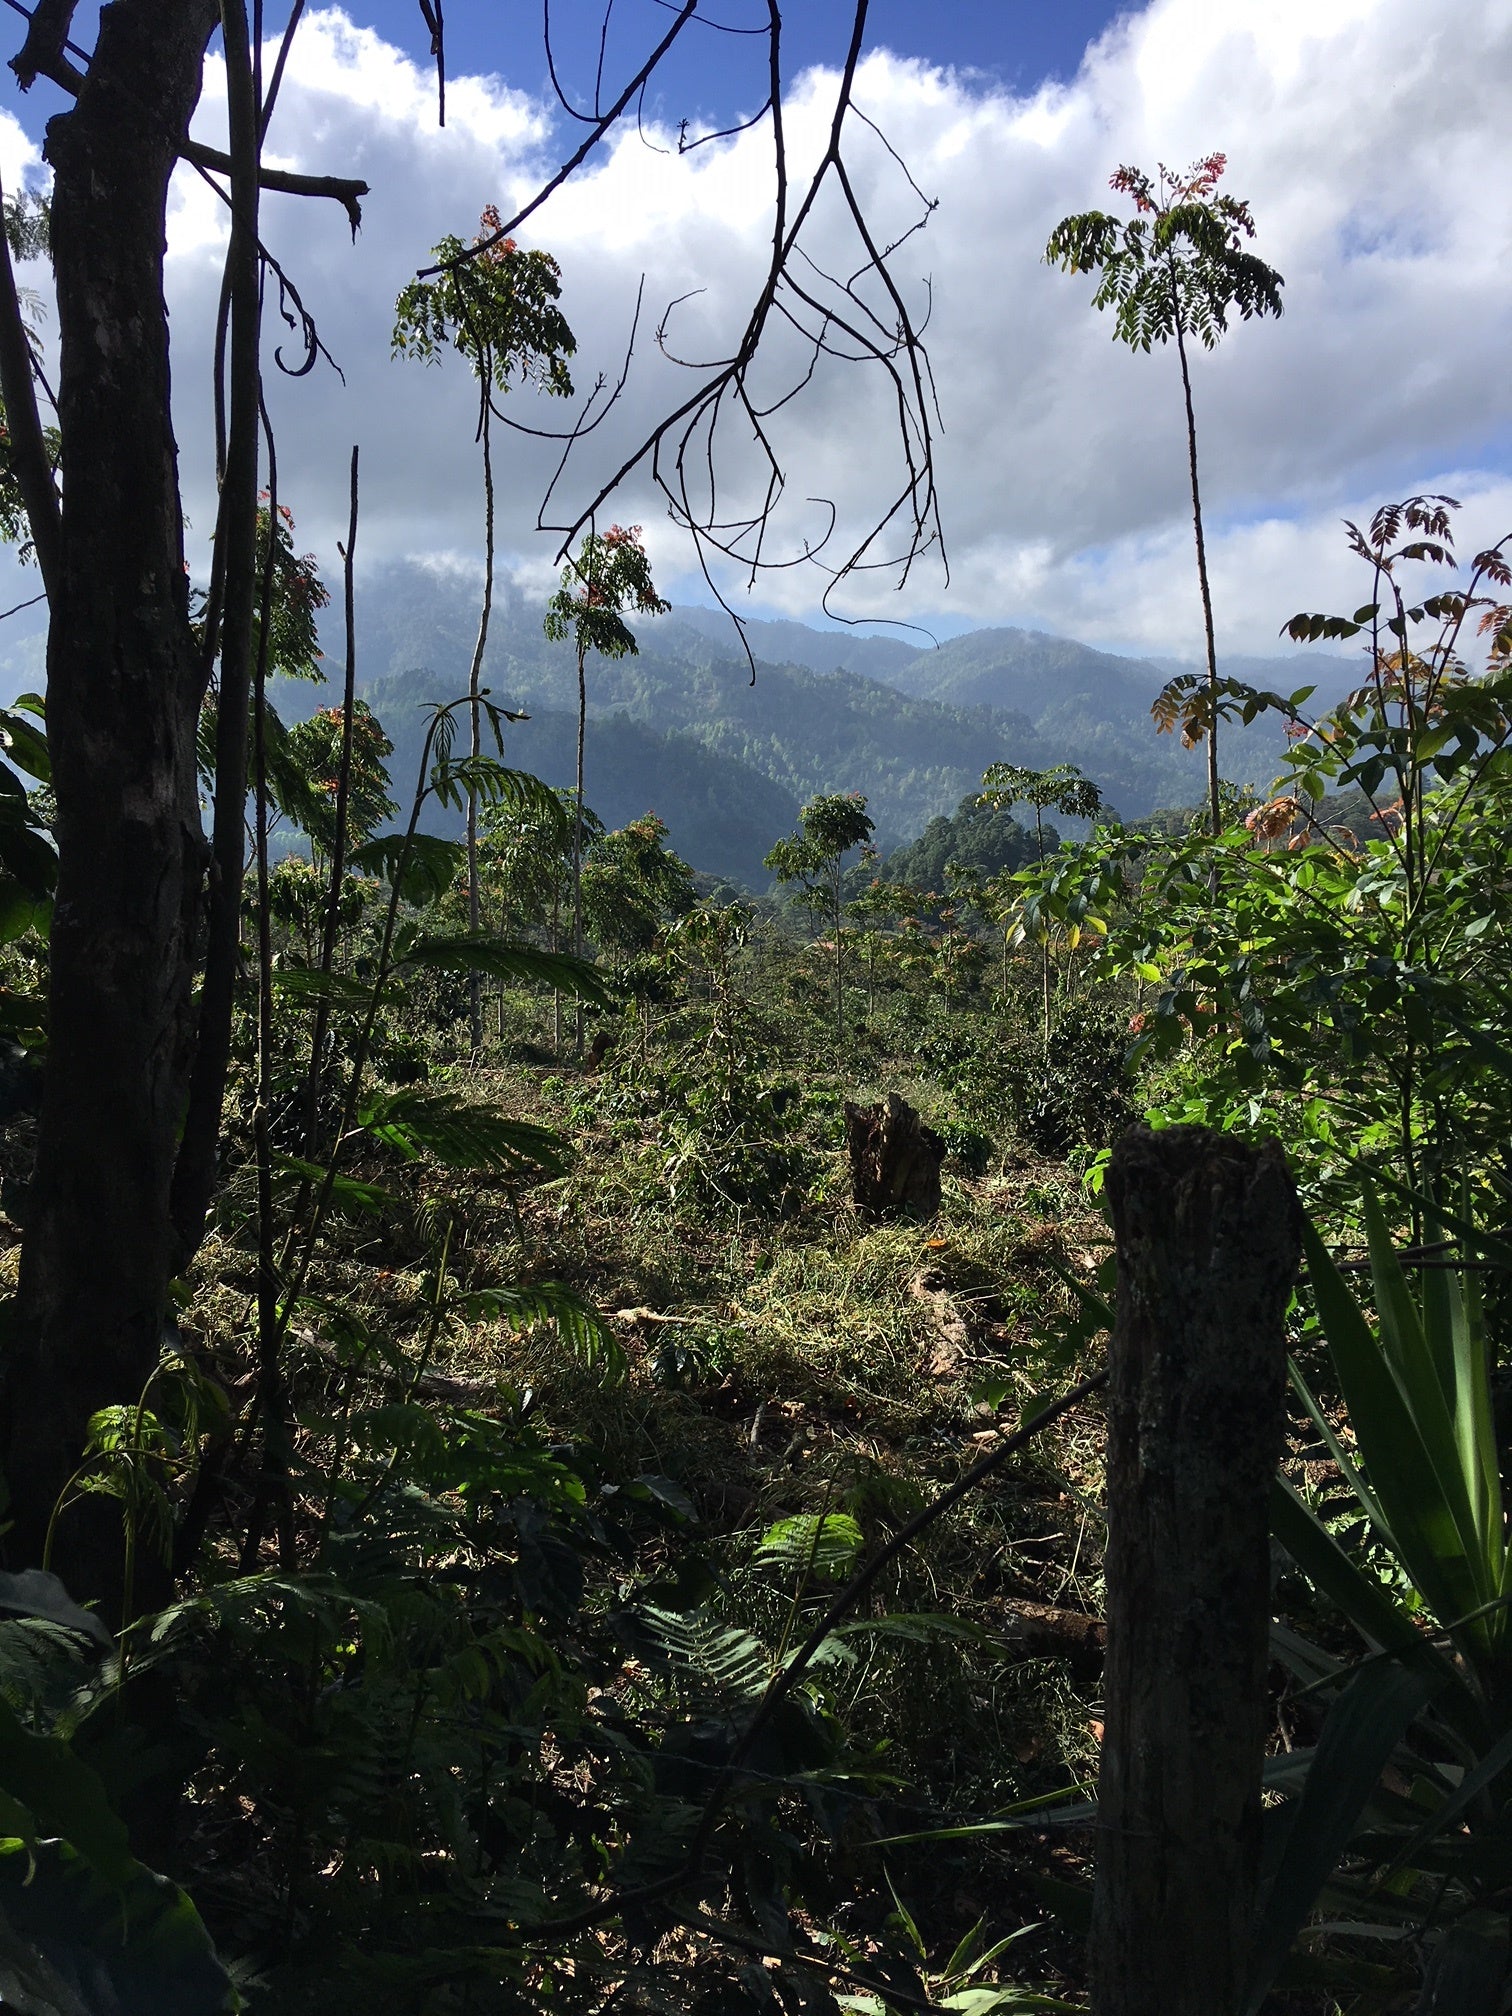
[1208, 1234]
[894, 1159]
[236, 541]
[123, 694]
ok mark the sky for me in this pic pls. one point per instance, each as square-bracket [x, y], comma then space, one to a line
[1368, 136]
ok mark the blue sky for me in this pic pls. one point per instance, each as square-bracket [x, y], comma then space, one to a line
[1016, 43]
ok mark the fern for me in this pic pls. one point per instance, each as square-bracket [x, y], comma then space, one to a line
[38, 1659]
[577, 1322]
[460, 1135]
[821, 1546]
[713, 1665]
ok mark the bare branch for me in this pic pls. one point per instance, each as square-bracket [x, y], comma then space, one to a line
[42, 53]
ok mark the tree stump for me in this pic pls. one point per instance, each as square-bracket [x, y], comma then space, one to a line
[894, 1159]
[1208, 1234]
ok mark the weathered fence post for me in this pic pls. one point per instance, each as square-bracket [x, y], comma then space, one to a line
[1208, 1235]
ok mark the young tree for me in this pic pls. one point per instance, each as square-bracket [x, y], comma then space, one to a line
[1062, 788]
[499, 309]
[813, 861]
[1176, 268]
[632, 883]
[610, 575]
[310, 757]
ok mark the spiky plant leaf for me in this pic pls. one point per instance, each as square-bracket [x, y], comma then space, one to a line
[821, 1546]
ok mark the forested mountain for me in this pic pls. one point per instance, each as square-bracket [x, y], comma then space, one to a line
[681, 728]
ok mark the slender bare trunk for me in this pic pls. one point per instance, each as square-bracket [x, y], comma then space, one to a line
[332, 924]
[577, 832]
[474, 687]
[1214, 808]
[236, 539]
[28, 449]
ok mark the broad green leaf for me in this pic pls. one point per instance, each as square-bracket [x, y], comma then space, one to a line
[72, 1944]
[502, 959]
[33, 1592]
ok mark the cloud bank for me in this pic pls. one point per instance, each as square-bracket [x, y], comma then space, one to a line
[1365, 133]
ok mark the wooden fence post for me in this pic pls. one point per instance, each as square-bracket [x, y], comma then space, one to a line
[1208, 1236]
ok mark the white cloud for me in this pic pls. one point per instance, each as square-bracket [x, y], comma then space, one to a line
[1366, 134]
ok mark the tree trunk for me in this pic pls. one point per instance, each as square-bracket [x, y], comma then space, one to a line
[894, 1159]
[577, 838]
[1208, 1233]
[474, 687]
[124, 683]
[1215, 811]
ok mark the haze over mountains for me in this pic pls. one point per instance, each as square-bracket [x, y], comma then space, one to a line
[682, 730]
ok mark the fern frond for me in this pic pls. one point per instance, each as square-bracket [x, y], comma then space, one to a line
[822, 1546]
[577, 1322]
[460, 1135]
[711, 1663]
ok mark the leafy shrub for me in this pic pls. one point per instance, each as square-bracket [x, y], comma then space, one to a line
[1079, 1093]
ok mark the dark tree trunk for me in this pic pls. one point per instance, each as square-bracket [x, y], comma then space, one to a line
[124, 680]
[894, 1159]
[1208, 1234]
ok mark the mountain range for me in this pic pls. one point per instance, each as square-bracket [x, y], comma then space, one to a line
[683, 729]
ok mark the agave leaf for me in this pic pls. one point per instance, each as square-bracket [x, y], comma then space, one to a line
[1371, 1611]
[1467, 1974]
[1427, 1516]
[1491, 1766]
[1348, 1469]
[1424, 1368]
[1364, 1726]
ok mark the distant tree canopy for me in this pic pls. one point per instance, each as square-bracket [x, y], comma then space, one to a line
[976, 836]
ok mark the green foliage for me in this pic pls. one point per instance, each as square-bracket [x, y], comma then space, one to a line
[497, 307]
[1422, 1468]
[609, 574]
[812, 863]
[1062, 789]
[979, 836]
[312, 751]
[1178, 265]
[28, 864]
[81, 1919]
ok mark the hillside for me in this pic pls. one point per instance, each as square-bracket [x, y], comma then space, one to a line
[682, 729]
